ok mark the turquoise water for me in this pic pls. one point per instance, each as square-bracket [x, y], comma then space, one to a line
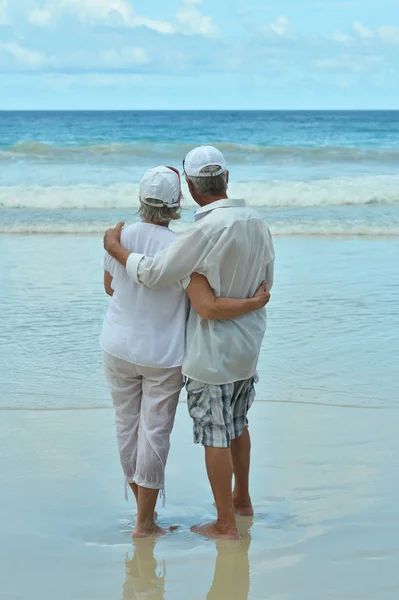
[323, 173]
[332, 323]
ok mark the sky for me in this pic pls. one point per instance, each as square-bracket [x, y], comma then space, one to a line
[199, 54]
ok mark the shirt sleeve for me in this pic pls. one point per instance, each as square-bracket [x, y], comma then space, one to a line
[109, 263]
[175, 263]
[270, 263]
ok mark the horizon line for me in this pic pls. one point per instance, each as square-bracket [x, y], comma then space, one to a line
[199, 109]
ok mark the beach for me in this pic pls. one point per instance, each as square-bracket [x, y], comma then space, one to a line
[326, 520]
[324, 424]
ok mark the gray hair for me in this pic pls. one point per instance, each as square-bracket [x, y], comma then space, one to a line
[212, 185]
[161, 214]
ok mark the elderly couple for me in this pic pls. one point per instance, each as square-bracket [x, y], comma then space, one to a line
[153, 337]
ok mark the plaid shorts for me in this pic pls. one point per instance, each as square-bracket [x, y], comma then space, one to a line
[219, 412]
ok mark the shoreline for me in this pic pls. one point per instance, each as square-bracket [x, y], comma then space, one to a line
[335, 236]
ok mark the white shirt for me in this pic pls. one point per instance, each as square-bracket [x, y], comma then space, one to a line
[142, 326]
[233, 248]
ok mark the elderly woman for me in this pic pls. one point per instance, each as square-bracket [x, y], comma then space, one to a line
[143, 340]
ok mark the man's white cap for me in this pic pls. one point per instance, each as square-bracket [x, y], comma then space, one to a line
[201, 157]
[161, 183]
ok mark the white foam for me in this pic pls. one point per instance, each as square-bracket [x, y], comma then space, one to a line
[273, 194]
[319, 228]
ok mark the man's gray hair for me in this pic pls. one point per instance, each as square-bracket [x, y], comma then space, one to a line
[212, 185]
[161, 214]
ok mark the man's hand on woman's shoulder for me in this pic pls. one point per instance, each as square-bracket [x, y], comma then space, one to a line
[112, 237]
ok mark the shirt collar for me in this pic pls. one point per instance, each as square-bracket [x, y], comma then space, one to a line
[226, 203]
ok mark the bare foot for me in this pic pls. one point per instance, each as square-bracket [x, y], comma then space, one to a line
[152, 530]
[214, 530]
[244, 510]
[243, 507]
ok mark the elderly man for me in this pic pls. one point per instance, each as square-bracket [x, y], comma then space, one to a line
[231, 246]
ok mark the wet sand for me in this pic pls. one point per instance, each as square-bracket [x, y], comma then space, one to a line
[325, 491]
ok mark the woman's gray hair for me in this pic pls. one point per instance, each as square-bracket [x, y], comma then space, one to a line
[210, 186]
[161, 214]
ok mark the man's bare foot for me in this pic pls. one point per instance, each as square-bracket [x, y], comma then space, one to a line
[152, 530]
[244, 510]
[215, 531]
[243, 507]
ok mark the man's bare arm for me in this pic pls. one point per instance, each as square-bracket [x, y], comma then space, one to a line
[108, 283]
[209, 307]
[112, 244]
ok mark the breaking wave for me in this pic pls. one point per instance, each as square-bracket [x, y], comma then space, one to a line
[378, 190]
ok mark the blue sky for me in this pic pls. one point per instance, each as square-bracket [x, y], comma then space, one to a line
[199, 54]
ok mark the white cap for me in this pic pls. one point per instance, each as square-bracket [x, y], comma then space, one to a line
[201, 157]
[161, 183]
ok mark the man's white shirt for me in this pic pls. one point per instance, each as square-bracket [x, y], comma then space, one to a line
[232, 247]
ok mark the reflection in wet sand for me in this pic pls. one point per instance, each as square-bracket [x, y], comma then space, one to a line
[145, 575]
[232, 577]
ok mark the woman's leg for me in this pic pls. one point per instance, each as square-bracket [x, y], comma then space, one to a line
[161, 391]
[126, 390]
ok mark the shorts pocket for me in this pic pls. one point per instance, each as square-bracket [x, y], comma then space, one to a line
[252, 392]
[199, 402]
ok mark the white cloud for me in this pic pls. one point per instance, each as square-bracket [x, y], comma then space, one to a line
[99, 10]
[389, 33]
[361, 30]
[191, 20]
[30, 58]
[188, 20]
[349, 64]
[342, 38]
[113, 12]
[160, 26]
[40, 16]
[3, 12]
[126, 57]
[280, 26]
[84, 10]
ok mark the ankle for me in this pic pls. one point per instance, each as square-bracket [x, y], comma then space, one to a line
[145, 523]
[241, 499]
[226, 523]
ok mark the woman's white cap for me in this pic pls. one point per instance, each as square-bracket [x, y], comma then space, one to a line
[163, 184]
[201, 157]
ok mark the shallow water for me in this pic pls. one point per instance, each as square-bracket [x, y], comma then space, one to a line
[332, 323]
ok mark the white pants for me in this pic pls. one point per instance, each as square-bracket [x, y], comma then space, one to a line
[145, 401]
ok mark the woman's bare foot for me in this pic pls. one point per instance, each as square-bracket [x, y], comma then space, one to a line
[151, 530]
[214, 530]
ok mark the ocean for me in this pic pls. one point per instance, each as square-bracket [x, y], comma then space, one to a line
[324, 425]
[322, 173]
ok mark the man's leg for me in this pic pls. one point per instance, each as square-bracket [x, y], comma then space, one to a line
[219, 467]
[241, 455]
[210, 408]
[161, 390]
[244, 395]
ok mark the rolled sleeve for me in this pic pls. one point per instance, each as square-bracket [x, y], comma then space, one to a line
[185, 283]
[174, 264]
[109, 263]
[132, 266]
